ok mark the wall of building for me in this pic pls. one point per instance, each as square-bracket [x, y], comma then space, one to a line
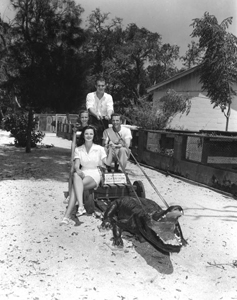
[202, 115]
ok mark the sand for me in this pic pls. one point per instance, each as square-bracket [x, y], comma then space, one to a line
[41, 260]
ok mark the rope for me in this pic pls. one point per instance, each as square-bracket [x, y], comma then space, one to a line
[147, 177]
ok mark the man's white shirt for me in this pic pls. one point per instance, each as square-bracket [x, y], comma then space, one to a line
[101, 106]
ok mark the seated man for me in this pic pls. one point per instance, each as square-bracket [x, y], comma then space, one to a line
[119, 138]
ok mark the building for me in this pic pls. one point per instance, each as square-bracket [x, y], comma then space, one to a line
[202, 115]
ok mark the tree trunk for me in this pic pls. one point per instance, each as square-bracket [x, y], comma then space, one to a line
[28, 132]
[1, 115]
[227, 118]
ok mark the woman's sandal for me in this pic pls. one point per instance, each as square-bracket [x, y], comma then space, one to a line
[81, 211]
[65, 221]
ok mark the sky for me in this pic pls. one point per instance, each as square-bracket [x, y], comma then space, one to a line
[170, 18]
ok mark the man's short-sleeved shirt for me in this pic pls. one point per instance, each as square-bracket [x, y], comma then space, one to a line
[110, 135]
[101, 106]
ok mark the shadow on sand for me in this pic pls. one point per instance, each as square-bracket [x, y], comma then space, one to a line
[153, 257]
[41, 164]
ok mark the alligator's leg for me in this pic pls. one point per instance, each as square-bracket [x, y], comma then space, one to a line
[109, 214]
[117, 232]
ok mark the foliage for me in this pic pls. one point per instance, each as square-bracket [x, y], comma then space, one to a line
[41, 56]
[49, 62]
[173, 103]
[17, 125]
[163, 64]
[219, 66]
[103, 36]
[145, 116]
[44, 54]
[127, 58]
[193, 55]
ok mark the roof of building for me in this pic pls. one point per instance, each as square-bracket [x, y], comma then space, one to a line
[173, 78]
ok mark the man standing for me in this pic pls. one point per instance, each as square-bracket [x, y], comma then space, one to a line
[100, 106]
[120, 138]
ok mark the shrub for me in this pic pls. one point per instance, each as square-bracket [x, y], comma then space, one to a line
[143, 116]
[17, 125]
[173, 103]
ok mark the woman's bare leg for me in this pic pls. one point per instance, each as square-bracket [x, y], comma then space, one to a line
[71, 204]
[70, 182]
[78, 187]
[89, 183]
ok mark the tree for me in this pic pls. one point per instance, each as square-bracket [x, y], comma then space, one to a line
[49, 35]
[101, 40]
[120, 56]
[139, 60]
[46, 53]
[127, 66]
[6, 69]
[163, 64]
[129, 58]
[218, 70]
[140, 47]
[193, 55]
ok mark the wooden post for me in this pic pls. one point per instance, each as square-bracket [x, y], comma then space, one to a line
[141, 143]
[56, 123]
[29, 128]
[178, 147]
[205, 150]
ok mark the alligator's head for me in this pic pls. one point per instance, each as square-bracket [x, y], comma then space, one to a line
[162, 229]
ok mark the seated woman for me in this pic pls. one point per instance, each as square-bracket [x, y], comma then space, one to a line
[89, 156]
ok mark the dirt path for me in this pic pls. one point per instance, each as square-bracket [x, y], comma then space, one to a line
[41, 260]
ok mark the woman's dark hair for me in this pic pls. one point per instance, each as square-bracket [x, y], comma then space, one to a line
[82, 139]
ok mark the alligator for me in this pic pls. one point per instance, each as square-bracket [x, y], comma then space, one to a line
[147, 221]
